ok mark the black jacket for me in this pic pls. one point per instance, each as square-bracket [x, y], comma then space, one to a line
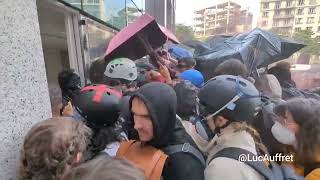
[161, 101]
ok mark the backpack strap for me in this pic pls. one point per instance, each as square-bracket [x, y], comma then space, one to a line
[235, 153]
[310, 168]
[124, 148]
[186, 148]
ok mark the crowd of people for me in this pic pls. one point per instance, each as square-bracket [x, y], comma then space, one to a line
[158, 120]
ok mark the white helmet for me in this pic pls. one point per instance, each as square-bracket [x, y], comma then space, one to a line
[121, 68]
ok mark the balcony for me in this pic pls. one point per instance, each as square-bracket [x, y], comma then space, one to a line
[284, 25]
[283, 16]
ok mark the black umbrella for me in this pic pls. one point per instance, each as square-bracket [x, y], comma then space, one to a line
[257, 48]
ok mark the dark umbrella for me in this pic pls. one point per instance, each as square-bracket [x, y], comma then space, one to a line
[257, 48]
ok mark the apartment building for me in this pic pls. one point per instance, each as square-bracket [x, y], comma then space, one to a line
[226, 18]
[288, 16]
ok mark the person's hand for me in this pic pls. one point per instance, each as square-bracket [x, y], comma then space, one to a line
[68, 110]
[164, 71]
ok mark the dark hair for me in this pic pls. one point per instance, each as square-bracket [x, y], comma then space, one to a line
[306, 113]
[105, 168]
[96, 71]
[187, 61]
[231, 67]
[101, 138]
[68, 80]
[282, 72]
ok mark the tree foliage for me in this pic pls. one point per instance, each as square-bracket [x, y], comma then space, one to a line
[184, 33]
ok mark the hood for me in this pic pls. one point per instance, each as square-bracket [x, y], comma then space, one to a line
[269, 85]
[161, 101]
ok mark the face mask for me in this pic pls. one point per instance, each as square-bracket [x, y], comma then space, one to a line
[283, 134]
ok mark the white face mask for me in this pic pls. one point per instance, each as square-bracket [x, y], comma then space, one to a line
[283, 134]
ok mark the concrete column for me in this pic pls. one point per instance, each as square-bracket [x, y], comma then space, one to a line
[24, 95]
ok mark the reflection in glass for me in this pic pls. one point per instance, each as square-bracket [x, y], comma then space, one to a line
[75, 3]
[117, 13]
[135, 8]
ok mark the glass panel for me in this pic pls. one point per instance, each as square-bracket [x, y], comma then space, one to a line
[75, 3]
[135, 8]
[115, 13]
[55, 50]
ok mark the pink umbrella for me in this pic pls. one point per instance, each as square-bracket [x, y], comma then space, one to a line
[136, 40]
[169, 34]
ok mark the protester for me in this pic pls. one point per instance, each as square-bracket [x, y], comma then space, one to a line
[153, 109]
[52, 147]
[96, 71]
[70, 85]
[194, 76]
[121, 73]
[231, 67]
[289, 90]
[185, 63]
[104, 167]
[230, 105]
[282, 72]
[98, 106]
[299, 126]
[143, 68]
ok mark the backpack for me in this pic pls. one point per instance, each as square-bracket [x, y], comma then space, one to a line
[271, 172]
[312, 172]
[152, 160]
[145, 157]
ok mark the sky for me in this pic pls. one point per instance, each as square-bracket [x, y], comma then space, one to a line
[185, 8]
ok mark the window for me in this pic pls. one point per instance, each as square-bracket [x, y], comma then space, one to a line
[312, 10]
[265, 5]
[299, 21]
[318, 28]
[265, 23]
[277, 13]
[275, 23]
[288, 12]
[312, 2]
[300, 12]
[287, 22]
[265, 14]
[310, 20]
[278, 5]
[301, 2]
[309, 28]
[97, 1]
[297, 29]
[289, 3]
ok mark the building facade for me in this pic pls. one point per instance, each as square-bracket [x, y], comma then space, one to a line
[288, 16]
[226, 18]
[39, 39]
[163, 11]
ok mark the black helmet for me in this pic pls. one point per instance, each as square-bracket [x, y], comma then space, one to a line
[219, 91]
[98, 105]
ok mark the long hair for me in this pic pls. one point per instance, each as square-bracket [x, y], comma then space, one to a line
[50, 148]
[243, 126]
[306, 113]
